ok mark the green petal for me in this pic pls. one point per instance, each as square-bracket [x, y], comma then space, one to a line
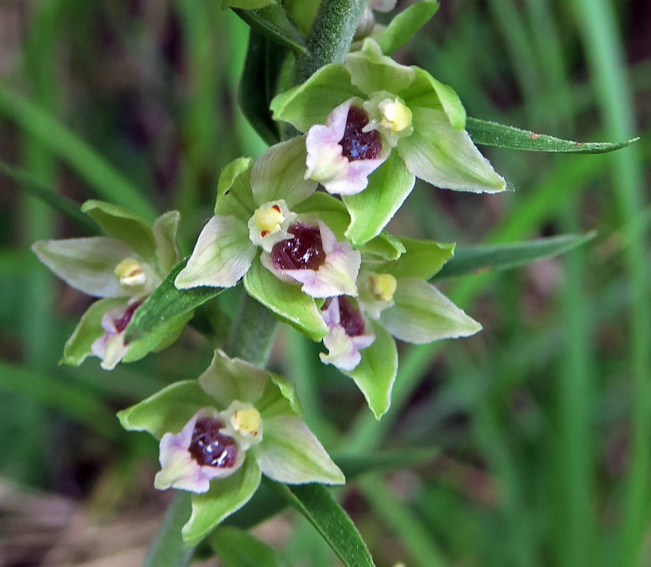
[291, 453]
[123, 225]
[167, 250]
[234, 195]
[230, 379]
[445, 157]
[226, 495]
[376, 372]
[421, 259]
[285, 300]
[384, 247]
[279, 398]
[86, 264]
[160, 338]
[279, 173]
[311, 102]
[166, 411]
[422, 314]
[88, 330]
[427, 92]
[373, 208]
[221, 256]
[370, 71]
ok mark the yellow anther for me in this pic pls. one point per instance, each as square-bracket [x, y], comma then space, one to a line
[395, 115]
[246, 421]
[130, 273]
[268, 220]
[383, 286]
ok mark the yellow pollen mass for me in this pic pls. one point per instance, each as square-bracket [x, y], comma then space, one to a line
[130, 273]
[268, 220]
[383, 286]
[246, 421]
[395, 115]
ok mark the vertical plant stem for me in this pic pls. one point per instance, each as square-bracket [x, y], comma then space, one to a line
[254, 327]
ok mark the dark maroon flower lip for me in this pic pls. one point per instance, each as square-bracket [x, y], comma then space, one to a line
[211, 448]
[302, 252]
[357, 144]
[122, 323]
[349, 318]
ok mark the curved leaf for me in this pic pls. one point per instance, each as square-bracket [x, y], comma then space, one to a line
[403, 27]
[497, 135]
[238, 548]
[273, 23]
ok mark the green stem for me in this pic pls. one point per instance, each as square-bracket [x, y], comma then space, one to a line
[330, 37]
[254, 328]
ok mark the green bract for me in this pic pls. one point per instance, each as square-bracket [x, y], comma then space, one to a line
[414, 114]
[258, 416]
[122, 269]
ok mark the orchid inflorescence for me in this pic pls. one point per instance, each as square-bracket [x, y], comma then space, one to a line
[304, 229]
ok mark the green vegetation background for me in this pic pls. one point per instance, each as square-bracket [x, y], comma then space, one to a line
[543, 420]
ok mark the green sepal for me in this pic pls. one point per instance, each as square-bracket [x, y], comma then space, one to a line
[166, 411]
[421, 259]
[285, 300]
[225, 496]
[371, 71]
[279, 398]
[88, 330]
[445, 157]
[427, 92]
[376, 372]
[383, 248]
[371, 210]
[121, 224]
[501, 136]
[272, 22]
[238, 548]
[311, 102]
[162, 336]
[234, 195]
[403, 27]
[422, 314]
[165, 230]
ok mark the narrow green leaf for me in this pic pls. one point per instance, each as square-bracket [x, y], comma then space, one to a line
[166, 303]
[65, 206]
[507, 256]
[262, 66]
[330, 520]
[238, 548]
[104, 179]
[508, 137]
[403, 27]
[273, 23]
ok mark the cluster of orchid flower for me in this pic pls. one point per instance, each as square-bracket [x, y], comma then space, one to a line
[304, 228]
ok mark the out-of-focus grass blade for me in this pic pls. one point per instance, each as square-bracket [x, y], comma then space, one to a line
[50, 392]
[316, 504]
[17, 262]
[508, 256]
[273, 23]
[58, 202]
[403, 27]
[238, 548]
[167, 302]
[508, 137]
[86, 162]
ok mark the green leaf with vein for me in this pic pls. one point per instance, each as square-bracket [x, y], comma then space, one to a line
[167, 302]
[104, 179]
[65, 206]
[316, 504]
[238, 548]
[508, 256]
[273, 23]
[403, 27]
[508, 137]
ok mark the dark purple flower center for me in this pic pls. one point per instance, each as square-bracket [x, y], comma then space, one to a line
[209, 447]
[349, 318]
[357, 144]
[122, 322]
[303, 252]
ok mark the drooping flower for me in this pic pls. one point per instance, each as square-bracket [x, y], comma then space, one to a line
[373, 116]
[220, 433]
[122, 269]
[395, 300]
[254, 211]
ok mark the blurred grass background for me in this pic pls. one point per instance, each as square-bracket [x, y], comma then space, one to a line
[543, 420]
